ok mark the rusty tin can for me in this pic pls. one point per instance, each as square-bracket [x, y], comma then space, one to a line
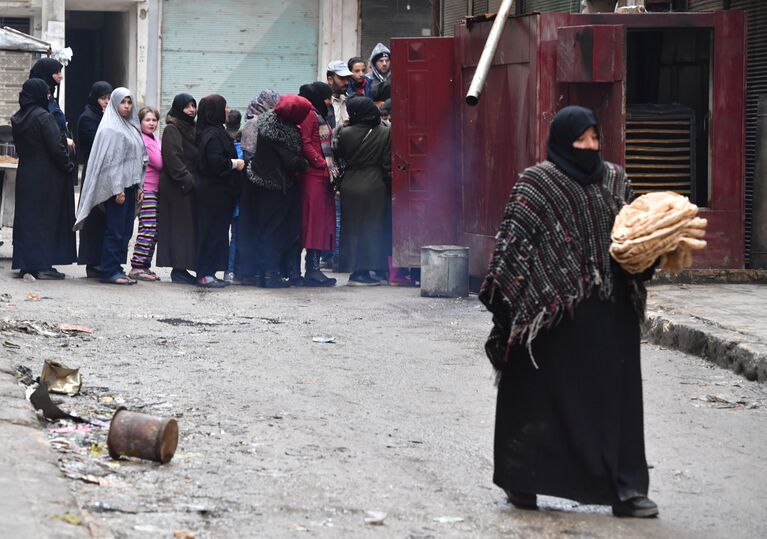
[134, 434]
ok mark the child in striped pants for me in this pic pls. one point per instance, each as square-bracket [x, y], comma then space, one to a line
[146, 240]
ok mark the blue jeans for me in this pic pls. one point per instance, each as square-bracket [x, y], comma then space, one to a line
[231, 262]
[118, 232]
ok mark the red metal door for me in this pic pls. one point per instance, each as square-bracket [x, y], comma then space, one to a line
[591, 72]
[424, 191]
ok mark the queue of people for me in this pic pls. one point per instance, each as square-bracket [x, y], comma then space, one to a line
[303, 171]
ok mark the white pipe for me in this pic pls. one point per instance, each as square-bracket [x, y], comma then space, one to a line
[488, 52]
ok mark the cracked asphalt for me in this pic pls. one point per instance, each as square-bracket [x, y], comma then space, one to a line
[281, 436]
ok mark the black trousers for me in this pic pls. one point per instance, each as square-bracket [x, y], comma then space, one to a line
[214, 216]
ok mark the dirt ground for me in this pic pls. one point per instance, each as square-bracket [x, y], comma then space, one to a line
[281, 436]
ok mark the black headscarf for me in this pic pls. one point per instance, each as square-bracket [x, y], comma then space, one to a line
[316, 93]
[211, 113]
[44, 69]
[34, 93]
[363, 111]
[177, 109]
[98, 89]
[584, 166]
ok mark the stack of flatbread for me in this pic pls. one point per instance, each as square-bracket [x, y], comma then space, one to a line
[661, 225]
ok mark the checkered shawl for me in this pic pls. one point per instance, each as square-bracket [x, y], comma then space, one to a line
[551, 252]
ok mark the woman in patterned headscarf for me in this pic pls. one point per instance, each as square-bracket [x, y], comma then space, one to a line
[266, 100]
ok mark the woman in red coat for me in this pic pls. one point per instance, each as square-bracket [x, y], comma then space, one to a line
[318, 212]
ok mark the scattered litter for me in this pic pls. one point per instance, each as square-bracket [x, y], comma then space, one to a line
[34, 296]
[375, 518]
[299, 528]
[5, 298]
[66, 517]
[183, 534]
[722, 402]
[134, 434]
[61, 379]
[41, 400]
[96, 450]
[28, 326]
[75, 328]
[324, 339]
[448, 520]
[201, 509]
[90, 478]
[148, 528]
[74, 428]
[11, 345]
[24, 375]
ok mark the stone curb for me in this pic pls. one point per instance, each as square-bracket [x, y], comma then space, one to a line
[739, 352]
[35, 494]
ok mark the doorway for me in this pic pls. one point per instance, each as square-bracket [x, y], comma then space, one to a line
[668, 110]
[99, 42]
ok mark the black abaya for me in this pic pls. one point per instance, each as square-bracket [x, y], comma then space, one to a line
[270, 222]
[573, 428]
[44, 206]
[92, 233]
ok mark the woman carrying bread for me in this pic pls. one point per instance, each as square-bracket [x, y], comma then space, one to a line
[565, 341]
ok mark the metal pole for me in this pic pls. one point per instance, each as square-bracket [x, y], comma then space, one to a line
[488, 52]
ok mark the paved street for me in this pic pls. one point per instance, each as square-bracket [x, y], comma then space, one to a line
[285, 437]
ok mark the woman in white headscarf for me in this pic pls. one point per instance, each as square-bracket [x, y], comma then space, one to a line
[115, 175]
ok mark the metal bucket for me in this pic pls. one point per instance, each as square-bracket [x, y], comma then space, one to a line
[444, 271]
[133, 434]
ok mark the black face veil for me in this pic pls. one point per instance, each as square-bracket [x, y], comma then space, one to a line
[584, 166]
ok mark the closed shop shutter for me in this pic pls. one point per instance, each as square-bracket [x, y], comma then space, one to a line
[756, 85]
[452, 12]
[237, 48]
[704, 5]
[543, 6]
[480, 7]
[381, 20]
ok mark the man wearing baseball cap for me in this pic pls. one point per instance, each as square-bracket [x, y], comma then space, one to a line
[338, 75]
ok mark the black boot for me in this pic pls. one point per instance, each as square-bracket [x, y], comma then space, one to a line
[272, 279]
[637, 507]
[313, 276]
[522, 500]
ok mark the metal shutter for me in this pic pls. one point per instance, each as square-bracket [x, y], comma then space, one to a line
[543, 6]
[382, 20]
[480, 7]
[704, 5]
[452, 12]
[237, 48]
[756, 85]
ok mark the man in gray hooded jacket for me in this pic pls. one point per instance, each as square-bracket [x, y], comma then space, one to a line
[380, 72]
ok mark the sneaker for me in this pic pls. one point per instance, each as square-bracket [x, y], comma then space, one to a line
[231, 278]
[363, 280]
[638, 507]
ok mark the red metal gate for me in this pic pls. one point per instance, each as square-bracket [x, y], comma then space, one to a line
[424, 191]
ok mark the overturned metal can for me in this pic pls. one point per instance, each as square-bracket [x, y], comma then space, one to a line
[133, 434]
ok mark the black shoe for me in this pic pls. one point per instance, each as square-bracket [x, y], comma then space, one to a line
[48, 275]
[252, 280]
[318, 279]
[522, 500]
[182, 276]
[273, 279]
[92, 272]
[296, 280]
[210, 281]
[638, 507]
[363, 280]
